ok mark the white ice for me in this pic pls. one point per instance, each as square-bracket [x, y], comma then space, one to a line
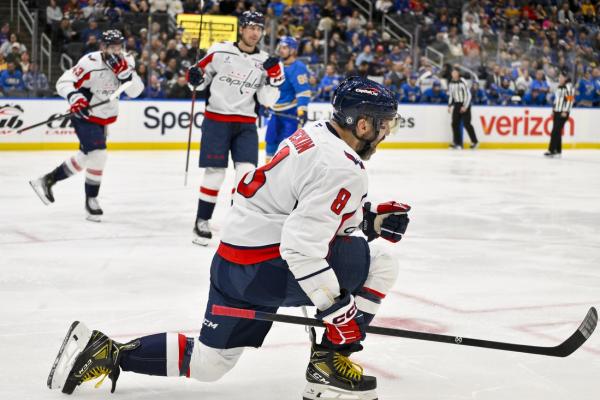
[502, 245]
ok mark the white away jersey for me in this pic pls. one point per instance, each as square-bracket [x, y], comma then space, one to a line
[236, 81]
[311, 191]
[92, 77]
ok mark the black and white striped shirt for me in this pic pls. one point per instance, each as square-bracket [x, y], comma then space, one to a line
[564, 98]
[458, 92]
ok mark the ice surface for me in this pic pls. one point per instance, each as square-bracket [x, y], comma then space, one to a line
[502, 245]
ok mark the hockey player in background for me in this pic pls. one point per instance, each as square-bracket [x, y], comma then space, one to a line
[293, 98]
[286, 242]
[96, 76]
[236, 76]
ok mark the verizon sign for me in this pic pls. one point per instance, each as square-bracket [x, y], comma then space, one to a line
[518, 122]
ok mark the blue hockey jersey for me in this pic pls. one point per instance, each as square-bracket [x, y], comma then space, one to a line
[295, 91]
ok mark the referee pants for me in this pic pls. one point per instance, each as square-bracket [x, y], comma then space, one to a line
[558, 123]
[465, 117]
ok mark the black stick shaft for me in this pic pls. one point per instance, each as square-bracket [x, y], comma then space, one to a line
[564, 349]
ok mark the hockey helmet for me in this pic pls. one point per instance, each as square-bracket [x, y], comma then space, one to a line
[112, 36]
[289, 42]
[252, 18]
[357, 98]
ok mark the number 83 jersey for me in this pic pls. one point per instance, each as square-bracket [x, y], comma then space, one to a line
[311, 191]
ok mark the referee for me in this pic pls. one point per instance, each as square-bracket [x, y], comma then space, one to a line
[459, 104]
[563, 103]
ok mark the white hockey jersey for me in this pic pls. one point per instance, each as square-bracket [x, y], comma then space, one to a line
[293, 207]
[236, 81]
[92, 77]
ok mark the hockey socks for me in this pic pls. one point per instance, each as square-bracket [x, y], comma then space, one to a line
[205, 210]
[164, 354]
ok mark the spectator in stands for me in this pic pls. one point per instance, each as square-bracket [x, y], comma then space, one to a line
[586, 92]
[365, 56]
[478, 95]
[596, 79]
[180, 89]
[176, 7]
[91, 45]
[410, 92]
[93, 10]
[541, 86]
[4, 33]
[91, 30]
[36, 82]
[435, 94]
[72, 9]
[328, 83]
[53, 14]
[523, 82]
[505, 91]
[154, 89]
[11, 79]
[15, 54]
[24, 63]
[276, 8]
[159, 6]
[3, 63]
[7, 47]
[112, 13]
[65, 33]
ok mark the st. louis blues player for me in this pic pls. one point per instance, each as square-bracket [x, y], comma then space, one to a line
[293, 98]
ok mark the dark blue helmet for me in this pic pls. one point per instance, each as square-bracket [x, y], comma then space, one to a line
[252, 18]
[112, 36]
[357, 97]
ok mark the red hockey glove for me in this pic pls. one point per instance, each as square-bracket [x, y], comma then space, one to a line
[119, 67]
[274, 71]
[388, 220]
[78, 105]
[344, 323]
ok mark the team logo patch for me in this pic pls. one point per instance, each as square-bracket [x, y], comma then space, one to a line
[371, 91]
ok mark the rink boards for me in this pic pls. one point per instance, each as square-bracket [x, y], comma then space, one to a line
[164, 124]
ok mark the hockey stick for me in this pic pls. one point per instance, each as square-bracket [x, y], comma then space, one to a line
[112, 97]
[278, 114]
[562, 350]
[189, 142]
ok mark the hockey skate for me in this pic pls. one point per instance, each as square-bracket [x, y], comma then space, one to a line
[331, 375]
[43, 188]
[202, 233]
[84, 356]
[93, 209]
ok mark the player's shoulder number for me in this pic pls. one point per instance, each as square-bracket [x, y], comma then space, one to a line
[302, 79]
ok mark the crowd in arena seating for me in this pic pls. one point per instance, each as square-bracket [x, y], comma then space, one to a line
[512, 51]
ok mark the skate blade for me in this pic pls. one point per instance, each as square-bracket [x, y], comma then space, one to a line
[77, 338]
[40, 193]
[94, 218]
[200, 241]
[315, 391]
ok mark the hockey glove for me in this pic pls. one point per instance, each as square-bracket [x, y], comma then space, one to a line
[388, 220]
[119, 67]
[344, 323]
[78, 105]
[274, 71]
[194, 76]
[302, 118]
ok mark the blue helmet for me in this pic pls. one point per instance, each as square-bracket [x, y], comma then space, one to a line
[252, 18]
[357, 98]
[289, 42]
